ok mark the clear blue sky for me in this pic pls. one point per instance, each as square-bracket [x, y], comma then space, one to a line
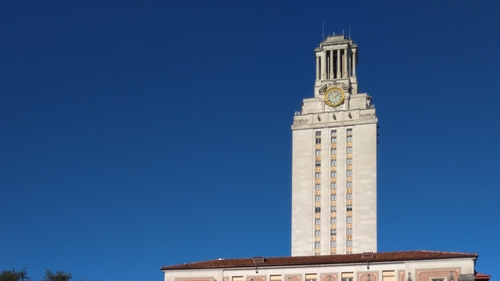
[137, 134]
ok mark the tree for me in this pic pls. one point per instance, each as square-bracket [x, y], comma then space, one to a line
[58, 276]
[12, 275]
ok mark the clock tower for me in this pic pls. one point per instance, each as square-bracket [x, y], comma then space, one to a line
[334, 161]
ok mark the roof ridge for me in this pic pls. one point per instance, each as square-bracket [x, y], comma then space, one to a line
[323, 259]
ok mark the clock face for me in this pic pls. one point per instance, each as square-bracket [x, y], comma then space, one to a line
[334, 96]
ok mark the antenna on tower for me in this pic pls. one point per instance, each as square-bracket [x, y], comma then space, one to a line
[323, 34]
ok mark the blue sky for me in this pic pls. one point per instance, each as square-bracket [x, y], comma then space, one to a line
[137, 134]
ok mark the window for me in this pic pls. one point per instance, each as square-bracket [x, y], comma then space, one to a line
[333, 208]
[349, 220]
[349, 173]
[333, 197]
[349, 161]
[349, 231]
[317, 221]
[349, 196]
[349, 207]
[318, 140]
[349, 149]
[334, 139]
[318, 198]
[333, 163]
[334, 151]
[318, 175]
[317, 210]
[349, 131]
[333, 220]
[388, 275]
[349, 184]
[317, 233]
[333, 174]
[349, 243]
[334, 132]
[317, 245]
[311, 277]
[349, 138]
[333, 244]
[318, 152]
[317, 186]
[275, 278]
[318, 133]
[318, 163]
[333, 185]
[333, 232]
[347, 276]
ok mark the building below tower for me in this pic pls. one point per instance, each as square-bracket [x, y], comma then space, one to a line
[390, 266]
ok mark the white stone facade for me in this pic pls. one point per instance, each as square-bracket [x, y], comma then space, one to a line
[451, 268]
[334, 179]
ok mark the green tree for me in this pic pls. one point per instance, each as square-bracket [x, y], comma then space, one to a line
[58, 276]
[12, 275]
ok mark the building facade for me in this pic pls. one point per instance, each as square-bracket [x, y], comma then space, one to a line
[390, 266]
[334, 159]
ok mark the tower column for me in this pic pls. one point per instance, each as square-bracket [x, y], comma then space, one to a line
[318, 70]
[332, 74]
[344, 64]
[323, 65]
[338, 63]
[353, 62]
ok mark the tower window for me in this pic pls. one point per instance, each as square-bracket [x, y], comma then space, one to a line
[317, 186]
[318, 163]
[317, 198]
[317, 210]
[333, 185]
[317, 233]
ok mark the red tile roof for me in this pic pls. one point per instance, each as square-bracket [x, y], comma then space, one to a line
[480, 276]
[328, 259]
